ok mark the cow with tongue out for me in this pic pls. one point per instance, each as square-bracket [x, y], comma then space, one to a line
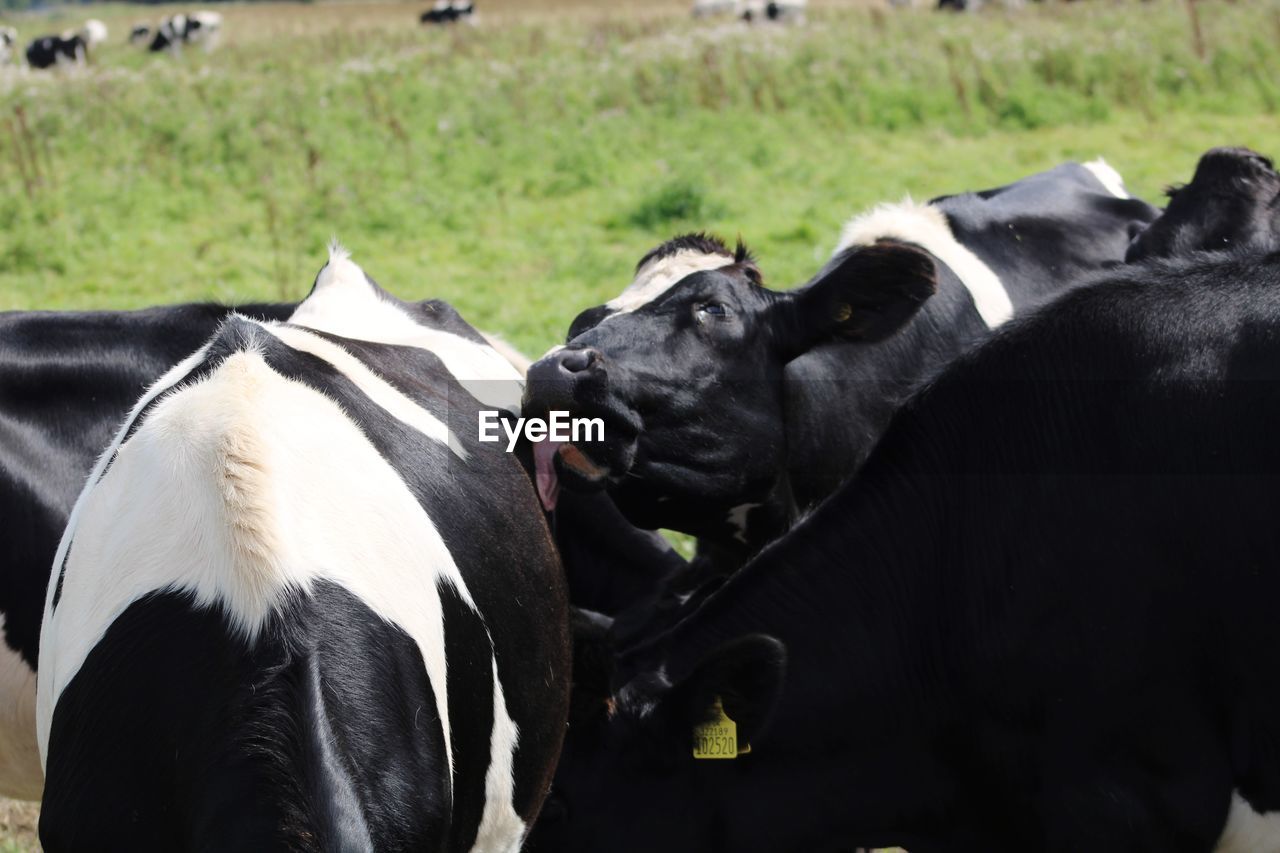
[730, 409]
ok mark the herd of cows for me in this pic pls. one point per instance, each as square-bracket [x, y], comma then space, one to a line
[985, 520]
[73, 47]
[170, 35]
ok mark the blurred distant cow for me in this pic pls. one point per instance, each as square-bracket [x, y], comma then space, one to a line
[140, 34]
[71, 47]
[8, 38]
[178, 30]
[48, 51]
[774, 10]
[448, 12]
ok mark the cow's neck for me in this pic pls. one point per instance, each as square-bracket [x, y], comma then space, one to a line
[868, 639]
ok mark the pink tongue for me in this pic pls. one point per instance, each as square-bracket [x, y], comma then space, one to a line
[544, 458]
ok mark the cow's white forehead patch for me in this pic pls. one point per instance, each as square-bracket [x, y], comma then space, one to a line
[1110, 179]
[661, 274]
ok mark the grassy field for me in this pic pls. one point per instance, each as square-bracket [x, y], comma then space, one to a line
[520, 167]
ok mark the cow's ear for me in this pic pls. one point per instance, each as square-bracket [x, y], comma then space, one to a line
[865, 293]
[743, 678]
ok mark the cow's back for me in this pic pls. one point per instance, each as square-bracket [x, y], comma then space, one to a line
[298, 517]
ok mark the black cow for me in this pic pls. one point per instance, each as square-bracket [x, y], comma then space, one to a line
[448, 12]
[730, 408]
[1233, 201]
[290, 542]
[48, 51]
[1040, 618]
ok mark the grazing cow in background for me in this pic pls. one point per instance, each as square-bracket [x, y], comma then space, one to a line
[783, 11]
[169, 35]
[448, 12]
[8, 40]
[730, 409]
[72, 47]
[290, 542]
[177, 31]
[50, 51]
[1233, 201]
[1040, 618]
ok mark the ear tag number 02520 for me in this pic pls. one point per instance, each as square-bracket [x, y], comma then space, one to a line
[718, 737]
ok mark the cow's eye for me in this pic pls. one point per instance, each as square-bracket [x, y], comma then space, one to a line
[713, 309]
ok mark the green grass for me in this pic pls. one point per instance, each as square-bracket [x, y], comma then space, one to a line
[521, 167]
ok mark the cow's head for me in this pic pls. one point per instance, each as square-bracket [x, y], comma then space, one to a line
[628, 779]
[684, 368]
[1232, 202]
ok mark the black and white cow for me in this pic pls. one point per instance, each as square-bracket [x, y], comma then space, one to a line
[72, 47]
[1233, 201]
[292, 540]
[730, 408]
[783, 11]
[68, 379]
[1040, 618]
[179, 30]
[8, 42]
[448, 12]
[140, 35]
[50, 51]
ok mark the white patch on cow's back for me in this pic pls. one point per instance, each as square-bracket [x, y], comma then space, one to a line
[344, 303]
[1248, 831]
[661, 274]
[239, 488]
[20, 774]
[373, 386]
[1110, 179]
[501, 829]
[926, 226]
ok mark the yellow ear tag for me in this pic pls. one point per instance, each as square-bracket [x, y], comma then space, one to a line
[717, 738]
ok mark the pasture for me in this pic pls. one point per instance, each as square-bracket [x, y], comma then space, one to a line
[520, 167]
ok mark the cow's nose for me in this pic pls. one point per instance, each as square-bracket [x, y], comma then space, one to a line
[573, 361]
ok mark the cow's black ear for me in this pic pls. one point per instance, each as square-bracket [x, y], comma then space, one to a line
[865, 293]
[745, 675]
